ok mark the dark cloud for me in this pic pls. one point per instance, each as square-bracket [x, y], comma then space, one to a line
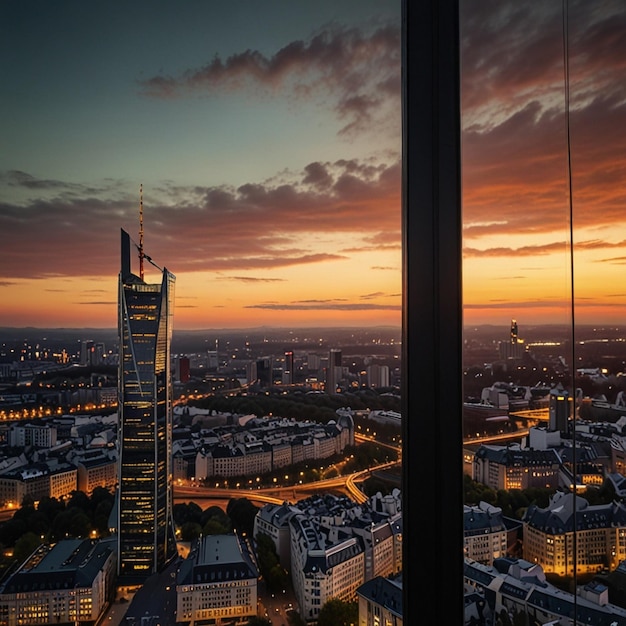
[515, 151]
[256, 226]
[360, 70]
[317, 174]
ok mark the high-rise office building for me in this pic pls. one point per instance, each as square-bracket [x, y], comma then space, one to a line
[288, 368]
[183, 369]
[264, 371]
[334, 373]
[515, 348]
[145, 531]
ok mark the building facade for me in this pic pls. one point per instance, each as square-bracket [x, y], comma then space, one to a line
[217, 583]
[144, 506]
[502, 467]
[68, 583]
[380, 602]
[570, 535]
[334, 373]
[484, 532]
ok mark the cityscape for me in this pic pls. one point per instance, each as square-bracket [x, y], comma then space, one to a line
[67, 440]
[303, 301]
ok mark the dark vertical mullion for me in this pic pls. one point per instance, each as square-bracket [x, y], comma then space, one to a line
[432, 393]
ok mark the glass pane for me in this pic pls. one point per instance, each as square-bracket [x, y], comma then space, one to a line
[542, 96]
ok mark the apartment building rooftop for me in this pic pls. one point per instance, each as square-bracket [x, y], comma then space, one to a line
[69, 563]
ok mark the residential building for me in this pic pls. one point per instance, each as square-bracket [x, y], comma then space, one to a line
[217, 583]
[68, 583]
[380, 601]
[324, 566]
[331, 544]
[572, 535]
[38, 480]
[485, 533]
[36, 435]
[378, 375]
[96, 469]
[518, 588]
[512, 467]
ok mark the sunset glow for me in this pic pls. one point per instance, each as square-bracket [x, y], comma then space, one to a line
[270, 160]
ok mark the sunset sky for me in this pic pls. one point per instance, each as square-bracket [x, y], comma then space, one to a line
[267, 138]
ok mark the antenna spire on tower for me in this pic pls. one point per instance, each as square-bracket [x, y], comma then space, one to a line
[141, 254]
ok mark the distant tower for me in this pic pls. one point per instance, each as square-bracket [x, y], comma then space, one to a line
[378, 375]
[559, 410]
[183, 369]
[145, 534]
[264, 371]
[515, 347]
[334, 373]
[85, 351]
[288, 369]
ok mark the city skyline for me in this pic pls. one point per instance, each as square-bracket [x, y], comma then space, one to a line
[267, 139]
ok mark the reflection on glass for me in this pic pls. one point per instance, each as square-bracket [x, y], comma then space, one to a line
[543, 232]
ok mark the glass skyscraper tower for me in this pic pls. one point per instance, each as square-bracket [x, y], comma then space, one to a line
[145, 531]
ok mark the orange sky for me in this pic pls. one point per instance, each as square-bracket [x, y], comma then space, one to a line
[270, 163]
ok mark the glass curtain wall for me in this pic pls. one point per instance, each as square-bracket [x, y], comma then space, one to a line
[544, 352]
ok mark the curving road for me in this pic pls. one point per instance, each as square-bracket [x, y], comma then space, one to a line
[341, 485]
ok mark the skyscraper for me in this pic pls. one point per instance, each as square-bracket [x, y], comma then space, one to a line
[144, 500]
[334, 373]
[288, 368]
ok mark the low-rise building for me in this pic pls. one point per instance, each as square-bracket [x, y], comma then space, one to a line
[37, 481]
[35, 435]
[324, 566]
[380, 601]
[512, 467]
[335, 544]
[217, 583]
[519, 589]
[570, 533]
[96, 470]
[70, 582]
[485, 533]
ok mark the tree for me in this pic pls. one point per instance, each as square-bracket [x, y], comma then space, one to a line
[215, 522]
[269, 564]
[190, 531]
[216, 527]
[25, 546]
[338, 613]
[242, 513]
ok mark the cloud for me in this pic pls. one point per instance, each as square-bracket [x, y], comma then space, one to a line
[359, 71]
[256, 226]
[515, 150]
[540, 250]
[250, 279]
[326, 307]
[544, 303]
